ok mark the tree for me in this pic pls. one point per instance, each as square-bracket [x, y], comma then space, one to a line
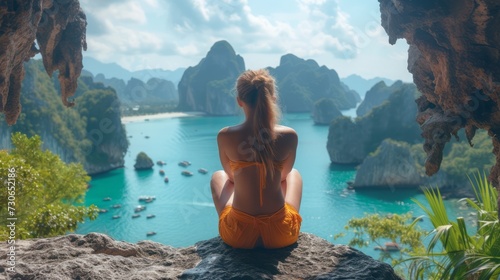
[45, 192]
[461, 255]
[374, 228]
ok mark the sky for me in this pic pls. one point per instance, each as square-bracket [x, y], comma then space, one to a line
[344, 35]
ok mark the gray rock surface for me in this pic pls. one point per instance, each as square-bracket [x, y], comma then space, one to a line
[209, 86]
[96, 256]
[391, 165]
[380, 93]
[60, 38]
[303, 82]
[143, 162]
[350, 141]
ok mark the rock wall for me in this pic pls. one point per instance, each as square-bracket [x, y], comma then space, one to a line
[208, 87]
[60, 37]
[454, 57]
[325, 111]
[97, 256]
[379, 93]
[301, 83]
[454, 52]
[391, 165]
[350, 141]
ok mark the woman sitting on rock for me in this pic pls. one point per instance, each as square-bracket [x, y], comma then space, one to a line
[258, 194]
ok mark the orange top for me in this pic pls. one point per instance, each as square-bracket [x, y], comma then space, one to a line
[262, 171]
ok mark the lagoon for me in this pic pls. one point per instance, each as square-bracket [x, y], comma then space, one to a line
[183, 209]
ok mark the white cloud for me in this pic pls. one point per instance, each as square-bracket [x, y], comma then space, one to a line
[331, 28]
[155, 32]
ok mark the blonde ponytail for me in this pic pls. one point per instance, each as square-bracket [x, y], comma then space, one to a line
[257, 89]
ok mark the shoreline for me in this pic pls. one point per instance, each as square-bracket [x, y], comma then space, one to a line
[143, 118]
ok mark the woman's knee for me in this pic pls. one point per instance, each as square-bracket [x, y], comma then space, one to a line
[218, 177]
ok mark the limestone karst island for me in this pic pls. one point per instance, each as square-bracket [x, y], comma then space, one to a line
[113, 115]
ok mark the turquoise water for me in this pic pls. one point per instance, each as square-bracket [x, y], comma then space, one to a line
[183, 209]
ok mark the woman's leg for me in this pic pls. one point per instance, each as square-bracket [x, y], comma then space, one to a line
[222, 190]
[292, 188]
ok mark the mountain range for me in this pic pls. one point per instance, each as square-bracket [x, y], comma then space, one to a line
[113, 70]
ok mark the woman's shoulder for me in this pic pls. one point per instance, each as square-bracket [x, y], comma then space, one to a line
[228, 132]
[285, 130]
[229, 129]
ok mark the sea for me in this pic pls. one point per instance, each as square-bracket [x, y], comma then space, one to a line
[183, 209]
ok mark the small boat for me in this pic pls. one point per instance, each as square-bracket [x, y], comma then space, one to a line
[184, 163]
[162, 172]
[161, 162]
[139, 208]
[391, 246]
[149, 200]
[146, 198]
[116, 217]
[187, 173]
[115, 206]
[102, 211]
[151, 233]
[165, 179]
[150, 216]
[202, 171]
[136, 216]
[106, 199]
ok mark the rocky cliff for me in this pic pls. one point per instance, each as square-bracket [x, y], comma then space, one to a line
[208, 87]
[350, 141]
[90, 133]
[379, 93]
[143, 162]
[397, 164]
[301, 83]
[137, 93]
[391, 165]
[325, 111]
[454, 57]
[60, 39]
[97, 256]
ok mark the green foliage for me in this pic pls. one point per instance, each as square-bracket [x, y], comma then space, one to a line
[460, 159]
[77, 134]
[454, 252]
[44, 114]
[463, 255]
[100, 108]
[374, 228]
[463, 159]
[46, 191]
[143, 157]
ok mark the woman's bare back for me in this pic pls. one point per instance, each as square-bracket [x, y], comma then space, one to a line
[236, 143]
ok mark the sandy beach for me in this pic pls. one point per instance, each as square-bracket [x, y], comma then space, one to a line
[142, 118]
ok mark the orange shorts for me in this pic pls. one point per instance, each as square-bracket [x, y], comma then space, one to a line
[241, 230]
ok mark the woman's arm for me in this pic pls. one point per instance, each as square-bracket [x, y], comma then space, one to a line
[290, 141]
[224, 159]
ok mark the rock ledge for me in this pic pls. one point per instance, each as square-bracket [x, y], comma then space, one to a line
[97, 256]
